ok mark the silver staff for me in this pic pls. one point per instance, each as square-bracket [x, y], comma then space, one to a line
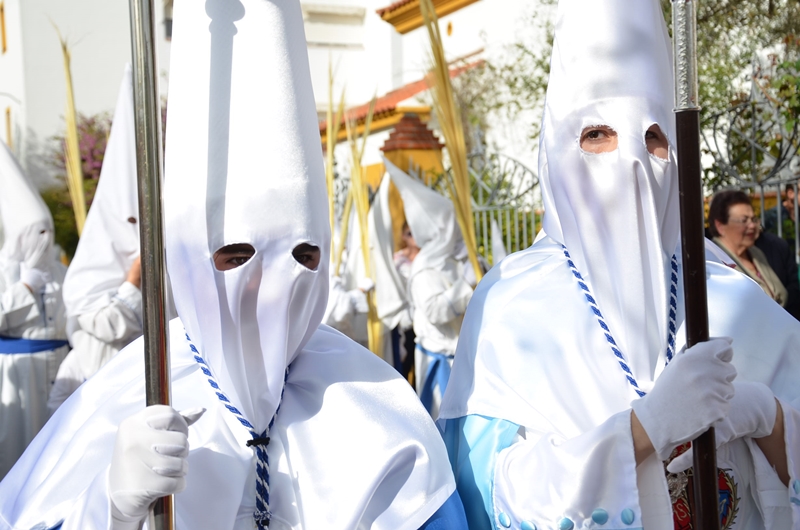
[150, 170]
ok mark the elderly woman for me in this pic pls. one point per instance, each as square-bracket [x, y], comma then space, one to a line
[735, 228]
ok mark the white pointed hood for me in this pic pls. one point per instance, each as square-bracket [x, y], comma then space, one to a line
[498, 247]
[244, 165]
[110, 240]
[616, 212]
[430, 216]
[26, 221]
[390, 287]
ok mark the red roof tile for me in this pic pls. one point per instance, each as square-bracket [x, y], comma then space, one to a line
[387, 104]
[393, 7]
[411, 133]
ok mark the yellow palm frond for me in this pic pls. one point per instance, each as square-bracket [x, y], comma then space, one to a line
[72, 153]
[446, 108]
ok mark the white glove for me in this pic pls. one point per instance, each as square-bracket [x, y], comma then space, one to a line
[149, 462]
[365, 285]
[691, 394]
[35, 279]
[752, 415]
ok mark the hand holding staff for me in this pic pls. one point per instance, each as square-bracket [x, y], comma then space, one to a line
[687, 119]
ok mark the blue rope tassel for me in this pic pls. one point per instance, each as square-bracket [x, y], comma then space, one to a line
[262, 515]
[673, 307]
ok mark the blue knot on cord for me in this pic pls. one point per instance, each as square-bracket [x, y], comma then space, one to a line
[259, 442]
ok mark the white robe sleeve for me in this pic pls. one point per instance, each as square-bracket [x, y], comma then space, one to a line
[779, 505]
[440, 301]
[547, 482]
[120, 321]
[343, 305]
[92, 510]
[18, 310]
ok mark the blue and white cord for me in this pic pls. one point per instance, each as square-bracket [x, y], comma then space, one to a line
[262, 515]
[673, 307]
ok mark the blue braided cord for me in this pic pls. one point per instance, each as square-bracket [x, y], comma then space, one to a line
[623, 364]
[673, 307]
[263, 514]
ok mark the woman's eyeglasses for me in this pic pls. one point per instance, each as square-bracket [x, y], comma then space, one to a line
[745, 221]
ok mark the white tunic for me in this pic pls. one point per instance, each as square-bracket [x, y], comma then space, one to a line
[101, 334]
[347, 311]
[351, 448]
[439, 298]
[26, 378]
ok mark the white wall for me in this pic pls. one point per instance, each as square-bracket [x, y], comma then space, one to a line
[99, 35]
[361, 55]
[12, 81]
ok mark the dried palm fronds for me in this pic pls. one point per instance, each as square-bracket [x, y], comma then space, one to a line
[360, 194]
[348, 207]
[446, 108]
[72, 153]
[332, 133]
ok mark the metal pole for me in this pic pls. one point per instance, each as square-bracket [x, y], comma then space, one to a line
[796, 225]
[779, 209]
[150, 168]
[687, 119]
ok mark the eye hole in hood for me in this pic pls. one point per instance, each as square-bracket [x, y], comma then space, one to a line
[656, 142]
[231, 256]
[307, 255]
[597, 139]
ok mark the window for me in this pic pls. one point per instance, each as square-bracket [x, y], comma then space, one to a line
[9, 138]
[334, 25]
[3, 42]
[168, 19]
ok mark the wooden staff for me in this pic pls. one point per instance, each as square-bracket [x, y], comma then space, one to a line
[687, 119]
[150, 170]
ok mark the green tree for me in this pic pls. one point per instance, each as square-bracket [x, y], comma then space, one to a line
[93, 133]
[730, 33]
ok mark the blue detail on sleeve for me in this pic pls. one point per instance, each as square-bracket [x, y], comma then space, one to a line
[796, 486]
[505, 520]
[600, 516]
[11, 345]
[449, 516]
[473, 443]
[566, 524]
[527, 525]
[795, 501]
[437, 374]
[628, 516]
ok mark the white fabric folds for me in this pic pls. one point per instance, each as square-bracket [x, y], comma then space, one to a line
[432, 220]
[29, 312]
[336, 460]
[351, 446]
[110, 240]
[534, 352]
[255, 91]
[27, 223]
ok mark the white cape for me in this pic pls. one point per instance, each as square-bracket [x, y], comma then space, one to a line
[351, 448]
[531, 352]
